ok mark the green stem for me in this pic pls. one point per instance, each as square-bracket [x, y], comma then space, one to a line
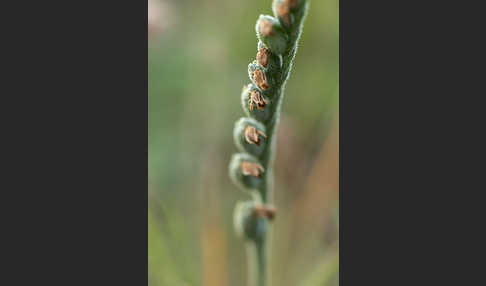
[268, 156]
[267, 159]
[257, 260]
[262, 255]
[253, 269]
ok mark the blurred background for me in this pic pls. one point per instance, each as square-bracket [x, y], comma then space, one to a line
[197, 65]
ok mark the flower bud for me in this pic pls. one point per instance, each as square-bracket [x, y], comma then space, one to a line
[287, 11]
[281, 9]
[255, 103]
[246, 171]
[272, 34]
[249, 136]
[270, 61]
[259, 77]
[247, 224]
[263, 57]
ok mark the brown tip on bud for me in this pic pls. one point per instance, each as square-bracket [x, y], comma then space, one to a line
[260, 79]
[265, 211]
[292, 3]
[251, 135]
[257, 99]
[266, 27]
[251, 169]
[283, 11]
[262, 57]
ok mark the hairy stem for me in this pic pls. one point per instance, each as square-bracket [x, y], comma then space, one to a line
[268, 157]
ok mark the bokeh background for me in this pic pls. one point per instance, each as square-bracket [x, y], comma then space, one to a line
[197, 65]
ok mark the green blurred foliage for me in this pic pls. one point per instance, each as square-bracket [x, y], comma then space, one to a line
[197, 66]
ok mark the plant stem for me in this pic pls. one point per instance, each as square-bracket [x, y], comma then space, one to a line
[253, 269]
[262, 255]
[257, 261]
[283, 48]
[267, 159]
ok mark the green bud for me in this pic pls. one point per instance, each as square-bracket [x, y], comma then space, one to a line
[272, 34]
[261, 78]
[246, 171]
[249, 136]
[247, 225]
[273, 61]
[282, 10]
[255, 103]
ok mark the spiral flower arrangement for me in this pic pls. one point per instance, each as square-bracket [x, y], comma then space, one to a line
[251, 169]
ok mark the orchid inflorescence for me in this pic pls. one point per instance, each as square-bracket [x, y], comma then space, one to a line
[254, 135]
